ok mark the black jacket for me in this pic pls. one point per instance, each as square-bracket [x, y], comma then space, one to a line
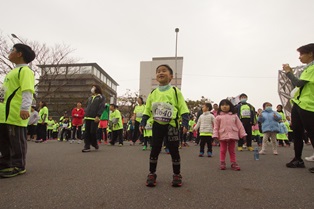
[95, 106]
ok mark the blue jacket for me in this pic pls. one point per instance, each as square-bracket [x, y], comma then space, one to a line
[270, 123]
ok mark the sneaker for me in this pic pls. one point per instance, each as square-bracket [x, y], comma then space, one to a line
[177, 180]
[120, 145]
[201, 154]
[244, 146]
[250, 149]
[275, 152]
[151, 180]
[12, 172]
[310, 159]
[71, 141]
[262, 152]
[311, 170]
[294, 163]
[86, 150]
[79, 141]
[144, 148]
[235, 167]
[209, 154]
[222, 166]
[4, 170]
[240, 149]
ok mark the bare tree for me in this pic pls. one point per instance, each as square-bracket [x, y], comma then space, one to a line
[59, 54]
[127, 103]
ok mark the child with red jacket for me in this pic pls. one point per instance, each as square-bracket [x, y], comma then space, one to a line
[77, 121]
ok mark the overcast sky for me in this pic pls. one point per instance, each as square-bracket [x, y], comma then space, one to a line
[229, 46]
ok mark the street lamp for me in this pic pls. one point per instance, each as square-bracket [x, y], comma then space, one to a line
[176, 58]
[15, 36]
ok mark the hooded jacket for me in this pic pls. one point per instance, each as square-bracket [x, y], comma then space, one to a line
[270, 121]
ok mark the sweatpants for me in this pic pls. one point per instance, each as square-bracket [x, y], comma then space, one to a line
[13, 146]
[136, 133]
[248, 129]
[302, 120]
[117, 135]
[42, 131]
[272, 136]
[90, 134]
[171, 135]
[230, 146]
[206, 140]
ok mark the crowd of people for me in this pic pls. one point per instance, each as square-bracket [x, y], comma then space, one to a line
[163, 121]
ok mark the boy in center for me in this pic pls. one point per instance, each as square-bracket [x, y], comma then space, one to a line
[165, 105]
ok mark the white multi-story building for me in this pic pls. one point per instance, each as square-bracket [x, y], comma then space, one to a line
[148, 73]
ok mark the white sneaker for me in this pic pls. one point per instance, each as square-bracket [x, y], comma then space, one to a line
[79, 141]
[275, 152]
[262, 152]
[311, 158]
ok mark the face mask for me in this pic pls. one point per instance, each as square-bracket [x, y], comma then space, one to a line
[269, 108]
[93, 90]
[243, 100]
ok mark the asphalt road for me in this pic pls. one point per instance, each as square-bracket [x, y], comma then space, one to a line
[59, 175]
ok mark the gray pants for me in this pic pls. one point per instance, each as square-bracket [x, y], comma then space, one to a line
[13, 146]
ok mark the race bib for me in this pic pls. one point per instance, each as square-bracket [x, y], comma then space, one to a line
[162, 112]
[149, 126]
[139, 115]
[246, 113]
[64, 125]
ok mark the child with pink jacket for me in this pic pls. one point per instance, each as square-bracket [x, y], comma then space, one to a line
[228, 129]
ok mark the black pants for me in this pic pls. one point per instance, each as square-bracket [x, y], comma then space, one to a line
[190, 136]
[136, 132]
[280, 142]
[78, 131]
[248, 129]
[102, 134]
[42, 131]
[66, 132]
[49, 132]
[54, 134]
[206, 140]
[183, 137]
[90, 134]
[13, 146]
[302, 120]
[117, 135]
[171, 135]
[147, 140]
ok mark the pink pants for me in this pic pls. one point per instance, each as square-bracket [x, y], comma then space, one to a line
[231, 148]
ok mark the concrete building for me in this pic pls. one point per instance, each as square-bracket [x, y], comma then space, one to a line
[148, 73]
[63, 85]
